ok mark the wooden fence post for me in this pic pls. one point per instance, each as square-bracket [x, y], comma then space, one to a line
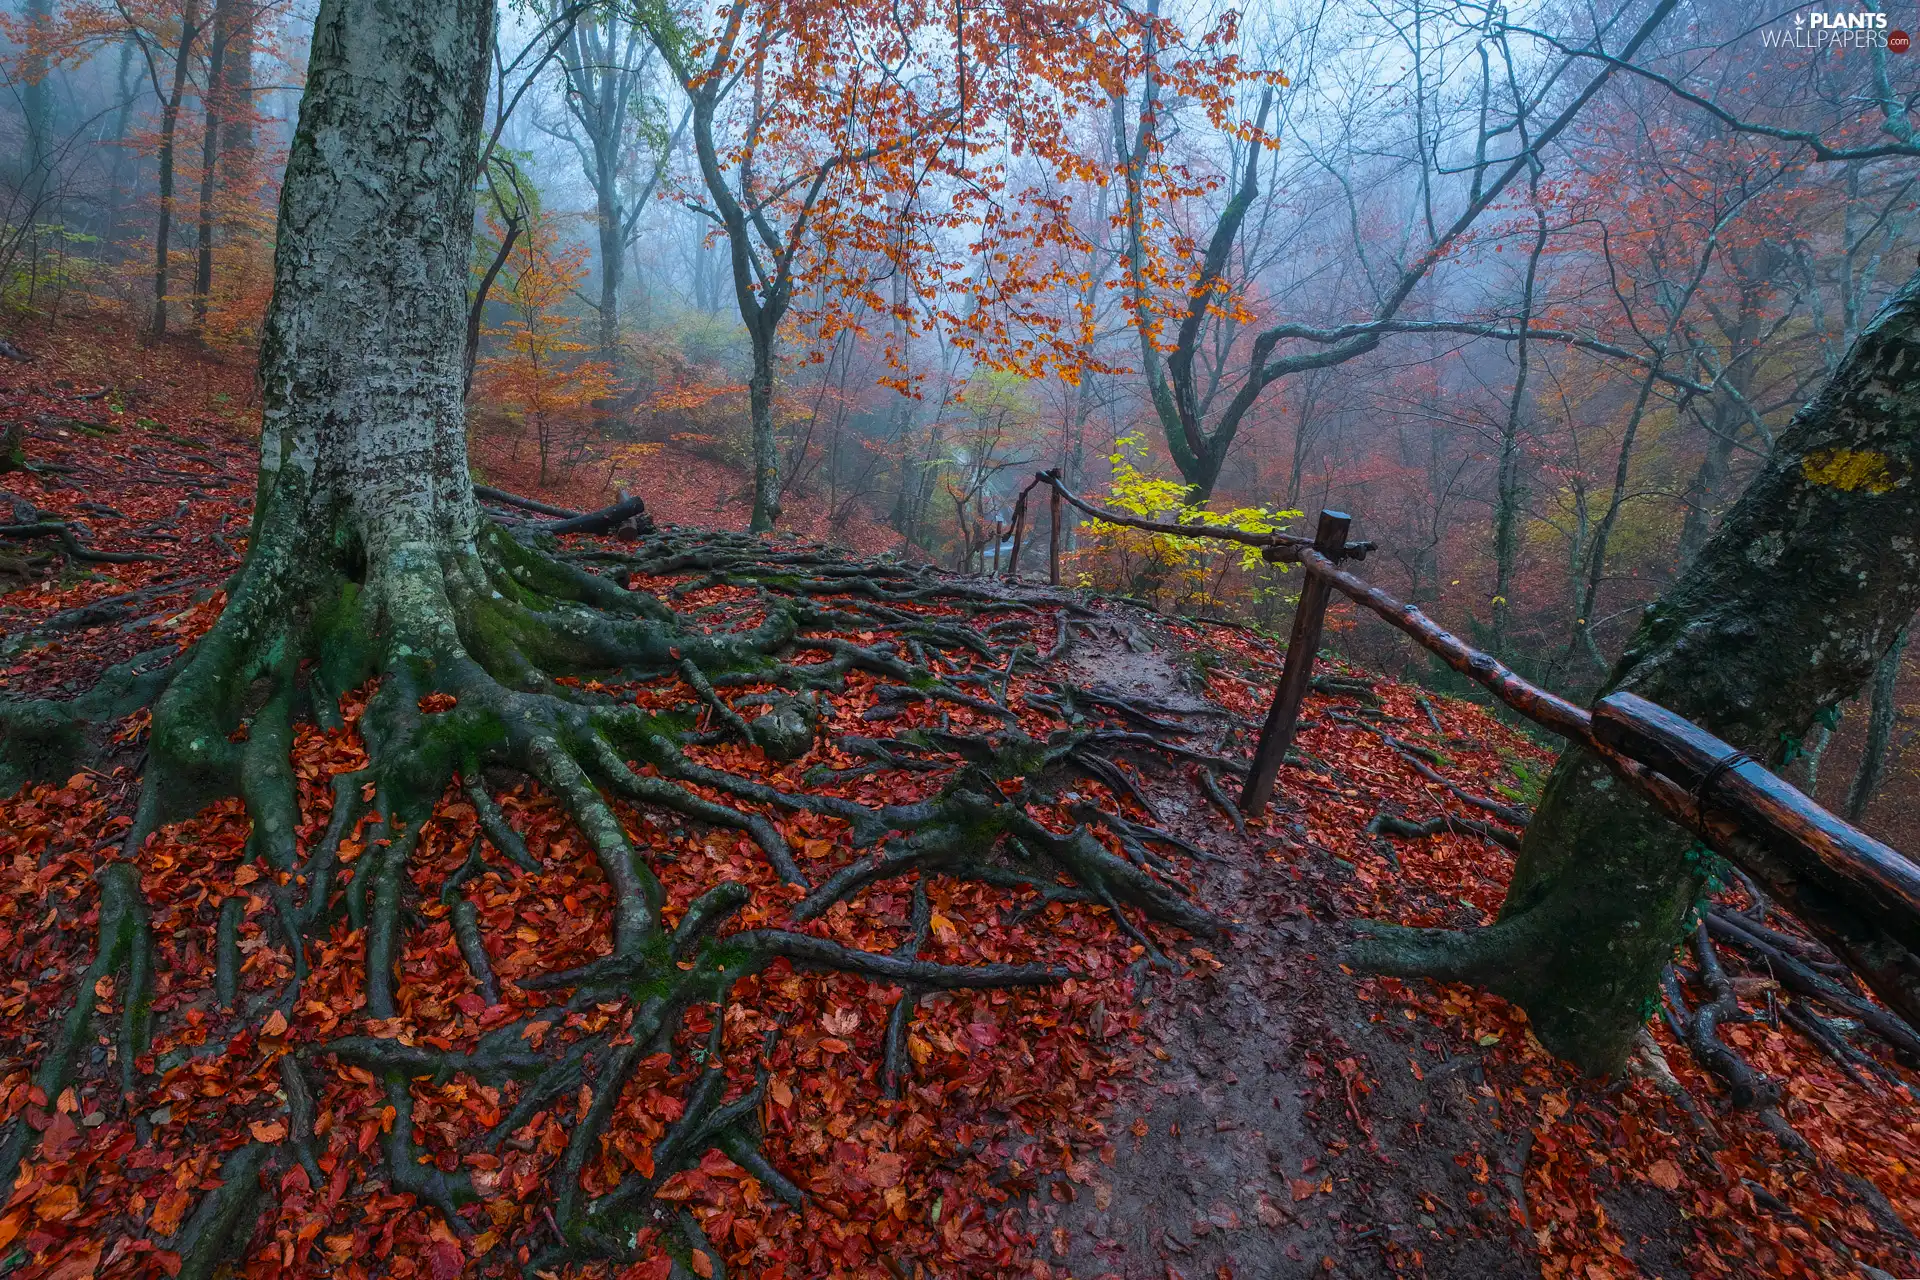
[1053, 543]
[1330, 540]
[1019, 528]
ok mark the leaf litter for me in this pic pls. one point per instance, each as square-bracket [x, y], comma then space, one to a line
[1257, 1110]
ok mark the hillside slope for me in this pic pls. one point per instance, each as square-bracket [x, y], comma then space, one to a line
[1244, 1107]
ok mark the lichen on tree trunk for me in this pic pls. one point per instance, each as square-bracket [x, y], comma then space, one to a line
[364, 493]
[1783, 614]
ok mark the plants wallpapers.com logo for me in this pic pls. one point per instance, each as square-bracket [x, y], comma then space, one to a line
[1837, 32]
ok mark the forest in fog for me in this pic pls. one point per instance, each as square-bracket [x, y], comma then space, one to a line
[1533, 314]
[1140, 639]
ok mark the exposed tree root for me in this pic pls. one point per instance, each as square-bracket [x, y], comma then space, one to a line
[489, 663]
[1392, 825]
[1798, 976]
[124, 947]
[1748, 1087]
[1650, 1061]
[224, 1221]
[1222, 802]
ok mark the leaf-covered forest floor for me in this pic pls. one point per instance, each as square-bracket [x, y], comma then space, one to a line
[1254, 1111]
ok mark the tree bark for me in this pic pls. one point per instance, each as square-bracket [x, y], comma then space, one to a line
[365, 504]
[1728, 419]
[766, 452]
[36, 101]
[1786, 611]
[122, 121]
[214, 101]
[1509, 494]
[169, 127]
[1873, 755]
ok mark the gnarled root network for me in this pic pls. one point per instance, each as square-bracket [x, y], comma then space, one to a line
[504, 661]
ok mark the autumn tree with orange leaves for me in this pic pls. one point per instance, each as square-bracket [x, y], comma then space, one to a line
[537, 372]
[843, 149]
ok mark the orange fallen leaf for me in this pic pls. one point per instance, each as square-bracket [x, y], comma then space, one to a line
[885, 1169]
[58, 1202]
[169, 1210]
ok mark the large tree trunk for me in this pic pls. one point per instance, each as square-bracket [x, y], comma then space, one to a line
[1873, 753]
[1786, 611]
[364, 492]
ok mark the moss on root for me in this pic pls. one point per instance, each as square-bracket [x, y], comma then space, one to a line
[1591, 920]
[467, 648]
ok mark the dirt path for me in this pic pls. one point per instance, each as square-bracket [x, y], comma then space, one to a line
[1275, 1128]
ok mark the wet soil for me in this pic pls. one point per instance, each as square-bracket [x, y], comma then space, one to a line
[1278, 1125]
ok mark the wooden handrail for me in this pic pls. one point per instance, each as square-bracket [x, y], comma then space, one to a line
[1827, 848]
[1550, 711]
[1859, 896]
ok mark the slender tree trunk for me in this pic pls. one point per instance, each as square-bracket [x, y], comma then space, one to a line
[766, 455]
[1509, 496]
[236, 119]
[1596, 562]
[1728, 419]
[612, 259]
[1873, 756]
[1786, 611]
[122, 121]
[169, 127]
[36, 101]
[1715, 465]
[1297, 466]
[215, 103]
[1815, 751]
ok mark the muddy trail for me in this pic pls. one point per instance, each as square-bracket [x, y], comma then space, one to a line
[1258, 1135]
[1291, 1118]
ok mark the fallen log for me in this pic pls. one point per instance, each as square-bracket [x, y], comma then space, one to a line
[492, 494]
[629, 515]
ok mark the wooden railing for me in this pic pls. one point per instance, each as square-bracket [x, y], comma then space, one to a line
[1267, 542]
[1860, 896]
